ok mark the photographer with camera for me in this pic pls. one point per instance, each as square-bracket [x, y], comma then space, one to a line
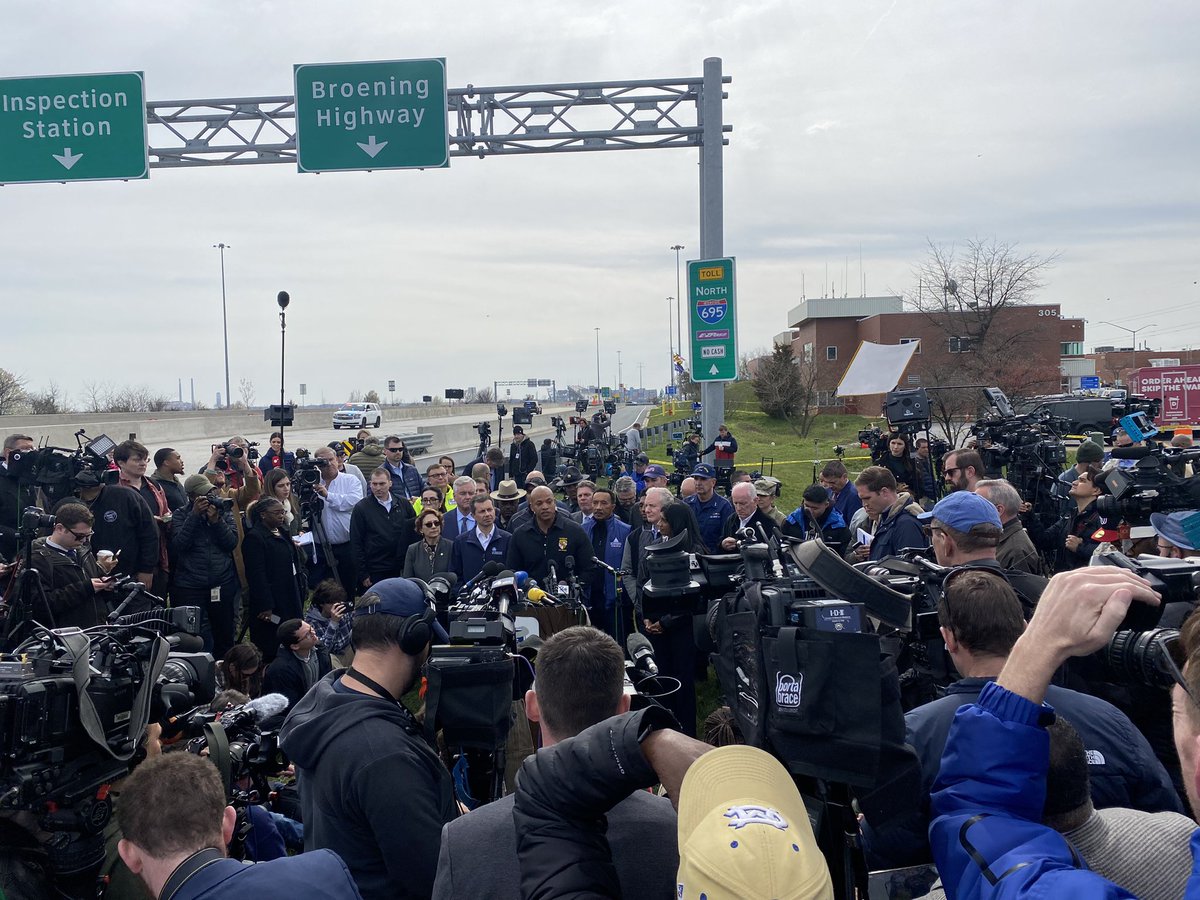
[522, 456]
[579, 679]
[981, 622]
[234, 458]
[176, 827]
[77, 592]
[203, 538]
[691, 450]
[371, 788]
[339, 494]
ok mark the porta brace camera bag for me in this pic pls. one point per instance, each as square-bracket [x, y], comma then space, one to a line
[810, 697]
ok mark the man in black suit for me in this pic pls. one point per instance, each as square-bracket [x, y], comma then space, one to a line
[580, 678]
[746, 514]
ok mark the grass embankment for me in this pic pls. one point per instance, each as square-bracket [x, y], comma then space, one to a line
[762, 440]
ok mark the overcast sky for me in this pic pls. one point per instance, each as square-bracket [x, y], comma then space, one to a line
[1067, 127]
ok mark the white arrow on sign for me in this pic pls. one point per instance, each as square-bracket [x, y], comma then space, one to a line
[68, 159]
[371, 148]
[714, 370]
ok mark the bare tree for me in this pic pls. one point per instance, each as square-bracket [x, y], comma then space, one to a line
[744, 362]
[48, 402]
[246, 389]
[96, 396]
[485, 395]
[12, 393]
[371, 396]
[787, 389]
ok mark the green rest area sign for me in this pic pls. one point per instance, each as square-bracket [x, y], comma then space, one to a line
[73, 128]
[371, 115]
[712, 319]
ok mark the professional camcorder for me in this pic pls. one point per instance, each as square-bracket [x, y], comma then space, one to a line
[233, 451]
[1154, 483]
[74, 706]
[57, 471]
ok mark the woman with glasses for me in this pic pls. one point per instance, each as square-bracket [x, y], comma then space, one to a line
[430, 555]
[431, 498]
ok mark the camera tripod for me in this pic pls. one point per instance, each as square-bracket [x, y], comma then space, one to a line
[25, 592]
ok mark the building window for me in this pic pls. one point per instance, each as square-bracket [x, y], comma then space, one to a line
[960, 345]
[916, 341]
[828, 398]
[831, 353]
[808, 353]
[1071, 348]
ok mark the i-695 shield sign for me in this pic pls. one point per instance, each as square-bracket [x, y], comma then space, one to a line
[712, 319]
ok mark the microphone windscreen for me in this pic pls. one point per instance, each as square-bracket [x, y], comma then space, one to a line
[521, 577]
[268, 705]
[187, 643]
[491, 569]
[535, 595]
[449, 578]
[638, 644]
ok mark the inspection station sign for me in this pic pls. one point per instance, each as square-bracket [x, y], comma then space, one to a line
[73, 128]
[713, 319]
[371, 115]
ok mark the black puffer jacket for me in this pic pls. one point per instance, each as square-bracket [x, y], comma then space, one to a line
[563, 793]
[202, 551]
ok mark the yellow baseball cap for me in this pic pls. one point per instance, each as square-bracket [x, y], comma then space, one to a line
[744, 832]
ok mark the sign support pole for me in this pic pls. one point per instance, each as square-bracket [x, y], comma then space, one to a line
[712, 217]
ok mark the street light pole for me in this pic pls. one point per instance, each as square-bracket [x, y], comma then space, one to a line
[619, 383]
[224, 321]
[670, 345]
[597, 330]
[1133, 331]
[678, 295]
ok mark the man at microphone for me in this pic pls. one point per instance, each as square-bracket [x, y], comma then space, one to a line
[550, 538]
[608, 535]
[746, 514]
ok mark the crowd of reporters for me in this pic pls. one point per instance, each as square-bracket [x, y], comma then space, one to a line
[237, 540]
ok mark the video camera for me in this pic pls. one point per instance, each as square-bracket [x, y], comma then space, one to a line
[233, 451]
[74, 706]
[57, 471]
[1154, 483]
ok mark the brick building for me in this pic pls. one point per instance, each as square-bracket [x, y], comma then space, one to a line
[1113, 364]
[1040, 343]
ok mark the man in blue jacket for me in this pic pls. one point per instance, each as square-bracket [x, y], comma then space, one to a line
[898, 528]
[484, 543]
[608, 535]
[711, 508]
[981, 620]
[176, 825]
[987, 837]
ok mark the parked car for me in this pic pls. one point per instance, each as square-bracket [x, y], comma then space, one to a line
[358, 415]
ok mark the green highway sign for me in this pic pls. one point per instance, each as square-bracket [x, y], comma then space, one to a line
[73, 128]
[361, 116]
[712, 319]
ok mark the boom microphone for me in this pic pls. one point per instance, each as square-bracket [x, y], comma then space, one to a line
[641, 651]
[267, 705]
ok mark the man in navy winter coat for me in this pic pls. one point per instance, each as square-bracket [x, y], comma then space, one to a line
[898, 528]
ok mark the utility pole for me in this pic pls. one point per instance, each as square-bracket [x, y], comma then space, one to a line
[641, 377]
[620, 384]
[224, 320]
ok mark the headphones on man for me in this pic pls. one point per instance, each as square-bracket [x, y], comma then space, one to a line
[413, 633]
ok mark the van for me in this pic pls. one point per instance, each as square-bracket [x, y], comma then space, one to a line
[358, 415]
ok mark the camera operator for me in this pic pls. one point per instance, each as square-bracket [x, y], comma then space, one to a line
[579, 679]
[275, 570]
[123, 524]
[898, 527]
[381, 529]
[844, 496]
[371, 788]
[962, 470]
[77, 592]
[549, 539]
[816, 517]
[176, 826]
[711, 508]
[691, 451]
[339, 493]
[15, 495]
[996, 751]
[1015, 551]
[1122, 439]
[746, 514]
[233, 458]
[522, 456]
[203, 538]
[981, 621]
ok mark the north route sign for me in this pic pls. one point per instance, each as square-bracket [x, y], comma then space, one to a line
[73, 128]
[359, 116]
[712, 319]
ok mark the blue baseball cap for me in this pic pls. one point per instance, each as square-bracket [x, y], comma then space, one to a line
[397, 597]
[962, 510]
[1178, 528]
[704, 470]
[655, 471]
